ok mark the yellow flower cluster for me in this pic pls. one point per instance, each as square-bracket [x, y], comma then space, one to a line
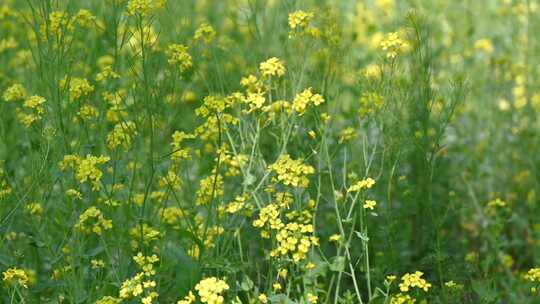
[484, 45]
[334, 238]
[16, 275]
[106, 73]
[92, 220]
[178, 56]
[311, 298]
[172, 215]
[145, 231]
[370, 102]
[116, 110]
[363, 184]
[34, 209]
[495, 204]
[122, 134]
[141, 285]
[304, 99]
[97, 264]
[209, 187]
[300, 19]
[291, 172]
[370, 204]
[179, 152]
[347, 134]
[272, 67]
[85, 168]
[144, 7]
[58, 22]
[78, 87]
[255, 100]
[190, 298]
[294, 238]
[145, 36]
[84, 18]
[170, 180]
[205, 32]
[270, 215]
[7, 44]
[519, 92]
[393, 45]
[212, 105]
[401, 298]
[237, 204]
[251, 84]
[411, 280]
[210, 290]
[533, 275]
[35, 110]
[87, 112]
[5, 188]
[14, 93]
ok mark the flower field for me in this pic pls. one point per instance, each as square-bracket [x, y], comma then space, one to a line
[269, 151]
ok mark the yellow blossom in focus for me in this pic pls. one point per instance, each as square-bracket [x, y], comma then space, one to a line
[369, 204]
[16, 275]
[210, 290]
[272, 67]
[411, 280]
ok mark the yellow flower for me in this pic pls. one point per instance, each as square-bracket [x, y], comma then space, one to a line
[484, 45]
[311, 298]
[533, 275]
[190, 298]
[347, 134]
[300, 19]
[402, 299]
[272, 67]
[78, 87]
[84, 18]
[178, 56]
[369, 204]
[393, 45]
[35, 209]
[144, 7]
[209, 188]
[205, 32]
[304, 99]
[363, 184]
[92, 220]
[14, 93]
[255, 100]
[122, 134]
[335, 238]
[411, 280]
[86, 168]
[370, 102]
[148, 233]
[88, 112]
[96, 264]
[291, 172]
[210, 290]
[263, 298]
[16, 275]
